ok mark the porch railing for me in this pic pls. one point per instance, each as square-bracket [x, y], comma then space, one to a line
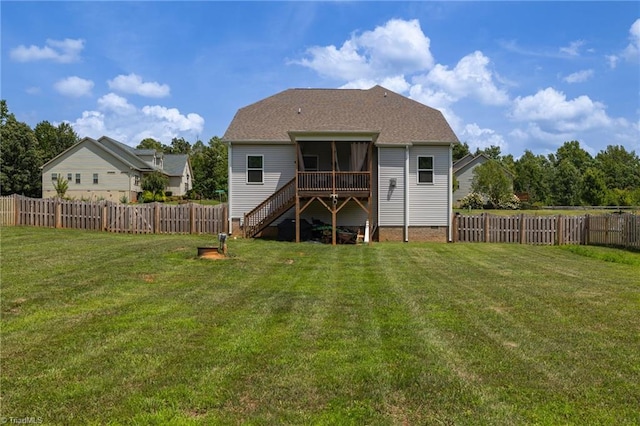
[334, 181]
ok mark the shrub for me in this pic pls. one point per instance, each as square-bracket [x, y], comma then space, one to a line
[147, 197]
[510, 203]
[472, 201]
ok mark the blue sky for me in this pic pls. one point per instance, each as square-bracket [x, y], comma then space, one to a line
[520, 75]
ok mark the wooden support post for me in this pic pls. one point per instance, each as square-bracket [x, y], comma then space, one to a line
[16, 209]
[334, 215]
[297, 217]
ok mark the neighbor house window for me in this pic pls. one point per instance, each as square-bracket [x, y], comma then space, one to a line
[54, 176]
[425, 169]
[136, 180]
[255, 169]
[69, 177]
[95, 178]
[310, 163]
[77, 178]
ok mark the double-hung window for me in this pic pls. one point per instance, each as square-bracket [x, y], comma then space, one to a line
[95, 178]
[425, 169]
[78, 178]
[255, 169]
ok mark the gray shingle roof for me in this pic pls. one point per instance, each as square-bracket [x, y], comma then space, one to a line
[396, 118]
[174, 164]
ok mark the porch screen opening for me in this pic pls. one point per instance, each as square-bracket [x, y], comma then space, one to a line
[255, 169]
[310, 163]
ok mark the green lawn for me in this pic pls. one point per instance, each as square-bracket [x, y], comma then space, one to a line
[104, 328]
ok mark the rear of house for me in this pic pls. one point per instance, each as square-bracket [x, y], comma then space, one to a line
[345, 157]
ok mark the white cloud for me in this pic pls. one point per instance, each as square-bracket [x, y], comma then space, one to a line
[74, 86]
[481, 138]
[116, 104]
[395, 83]
[551, 111]
[116, 117]
[471, 77]
[172, 118]
[573, 49]
[133, 83]
[579, 77]
[612, 60]
[632, 51]
[64, 51]
[398, 47]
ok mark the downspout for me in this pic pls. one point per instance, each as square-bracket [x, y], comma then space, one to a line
[229, 168]
[450, 194]
[406, 193]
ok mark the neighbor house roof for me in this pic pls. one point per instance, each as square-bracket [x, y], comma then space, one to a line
[174, 164]
[393, 117]
[469, 160]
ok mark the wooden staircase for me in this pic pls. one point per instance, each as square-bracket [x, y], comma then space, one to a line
[270, 209]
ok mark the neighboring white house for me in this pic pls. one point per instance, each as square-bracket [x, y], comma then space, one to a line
[463, 171]
[345, 157]
[110, 170]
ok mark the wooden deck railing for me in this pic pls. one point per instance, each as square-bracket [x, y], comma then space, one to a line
[270, 209]
[334, 181]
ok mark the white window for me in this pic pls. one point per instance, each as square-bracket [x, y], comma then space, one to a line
[95, 178]
[69, 177]
[54, 177]
[255, 169]
[425, 169]
[78, 178]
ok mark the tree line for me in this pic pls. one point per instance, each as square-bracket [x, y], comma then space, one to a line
[568, 177]
[23, 152]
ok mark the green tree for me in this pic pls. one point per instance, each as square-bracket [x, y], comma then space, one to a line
[20, 159]
[594, 187]
[566, 184]
[490, 179]
[150, 143]
[620, 167]
[61, 186]
[155, 182]
[52, 140]
[460, 150]
[532, 175]
[492, 152]
[573, 153]
[179, 146]
[210, 167]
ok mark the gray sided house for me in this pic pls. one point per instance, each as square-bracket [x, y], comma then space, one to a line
[463, 171]
[110, 170]
[346, 157]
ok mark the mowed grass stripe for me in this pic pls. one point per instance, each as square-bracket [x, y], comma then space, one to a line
[136, 329]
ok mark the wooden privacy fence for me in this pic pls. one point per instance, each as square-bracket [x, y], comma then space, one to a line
[153, 218]
[612, 229]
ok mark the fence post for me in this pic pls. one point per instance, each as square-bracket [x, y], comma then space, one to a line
[105, 217]
[454, 228]
[559, 230]
[192, 218]
[58, 210]
[225, 218]
[486, 227]
[16, 210]
[586, 231]
[156, 217]
[521, 229]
